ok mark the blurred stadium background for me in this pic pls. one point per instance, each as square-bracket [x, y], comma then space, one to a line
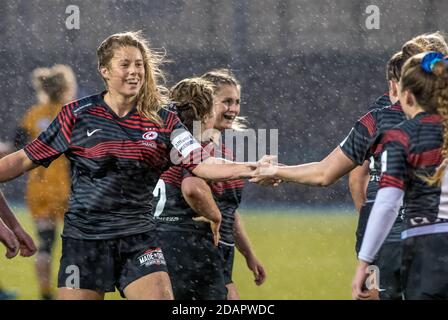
[308, 69]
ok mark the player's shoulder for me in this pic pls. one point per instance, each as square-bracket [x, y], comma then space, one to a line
[167, 111]
[168, 114]
[410, 126]
[393, 108]
[380, 102]
[80, 106]
[401, 133]
[422, 121]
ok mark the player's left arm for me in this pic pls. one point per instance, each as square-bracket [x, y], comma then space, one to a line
[244, 246]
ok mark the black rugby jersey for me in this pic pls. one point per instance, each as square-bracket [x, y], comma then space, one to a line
[408, 152]
[360, 146]
[115, 164]
[172, 213]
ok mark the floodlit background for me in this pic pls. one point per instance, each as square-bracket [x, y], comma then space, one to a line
[307, 68]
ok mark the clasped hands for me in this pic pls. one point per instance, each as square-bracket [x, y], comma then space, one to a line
[265, 172]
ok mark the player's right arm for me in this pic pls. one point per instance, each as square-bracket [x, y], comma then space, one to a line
[358, 180]
[198, 195]
[47, 147]
[322, 173]
[344, 158]
[14, 165]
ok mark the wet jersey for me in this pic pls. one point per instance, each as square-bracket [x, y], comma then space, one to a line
[115, 164]
[360, 145]
[410, 152]
[172, 213]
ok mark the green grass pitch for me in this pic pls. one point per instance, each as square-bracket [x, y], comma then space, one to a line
[307, 255]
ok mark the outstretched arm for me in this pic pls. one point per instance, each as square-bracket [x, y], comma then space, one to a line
[218, 169]
[322, 174]
[243, 245]
[14, 165]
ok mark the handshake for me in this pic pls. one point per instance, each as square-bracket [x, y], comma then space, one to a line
[264, 173]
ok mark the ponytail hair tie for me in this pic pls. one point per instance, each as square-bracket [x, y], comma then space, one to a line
[430, 59]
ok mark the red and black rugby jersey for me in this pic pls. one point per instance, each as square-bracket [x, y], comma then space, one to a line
[172, 213]
[115, 164]
[409, 152]
[358, 145]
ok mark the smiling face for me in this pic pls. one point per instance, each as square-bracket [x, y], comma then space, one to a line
[126, 72]
[226, 105]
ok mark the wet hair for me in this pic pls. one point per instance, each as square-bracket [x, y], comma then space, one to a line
[421, 43]
[432, 41]
[425, 42]
[393, 67]
[53, 84]
[194, 100]
[153, 95]
[222, 77]
[426, 77]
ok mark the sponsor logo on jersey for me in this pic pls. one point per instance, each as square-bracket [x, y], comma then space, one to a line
[150, 144]
[150, 257]
[90, 133]
[150, 135]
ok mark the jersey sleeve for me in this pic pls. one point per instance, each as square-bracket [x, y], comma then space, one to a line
[186, 151]
[54, 141]
[394, 145]
[357, 144]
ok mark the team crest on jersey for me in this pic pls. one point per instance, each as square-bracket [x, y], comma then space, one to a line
[150, 257]
[150, 135]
